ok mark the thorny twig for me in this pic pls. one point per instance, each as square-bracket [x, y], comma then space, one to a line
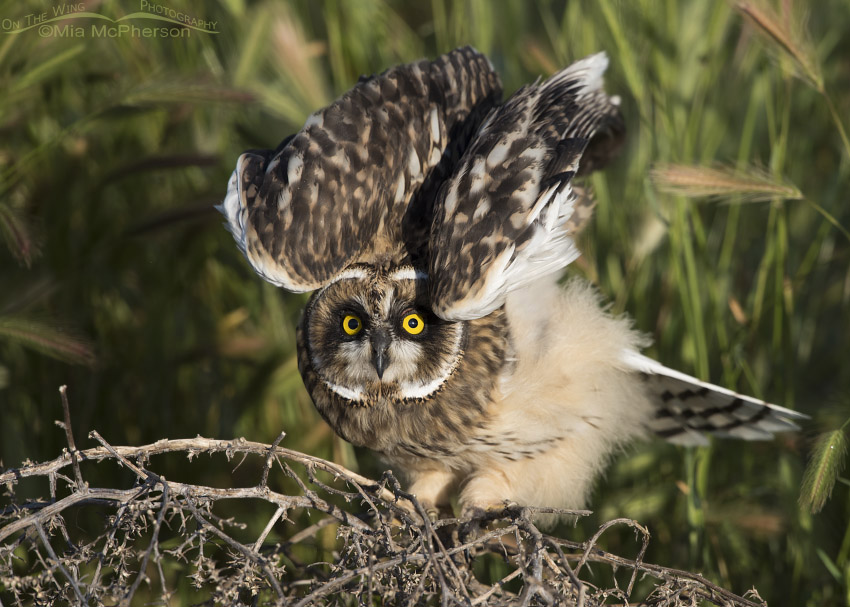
[386, 545]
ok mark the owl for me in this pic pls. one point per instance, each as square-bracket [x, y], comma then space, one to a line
[432, 221]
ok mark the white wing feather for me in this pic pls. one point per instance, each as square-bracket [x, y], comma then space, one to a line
[688, 407]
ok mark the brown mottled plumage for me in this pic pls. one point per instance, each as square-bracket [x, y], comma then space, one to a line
[385, 419]
[323, 180]
[432, 221]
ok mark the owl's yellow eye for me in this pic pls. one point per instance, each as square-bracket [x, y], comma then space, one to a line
[351, 324]
[413, 323]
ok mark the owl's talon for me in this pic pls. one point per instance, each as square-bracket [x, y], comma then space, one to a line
[513, 509]
[492, 511]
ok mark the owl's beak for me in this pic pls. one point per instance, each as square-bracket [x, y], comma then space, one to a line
[380, 343]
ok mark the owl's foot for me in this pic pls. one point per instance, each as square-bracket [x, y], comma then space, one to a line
[475, 512]
[436, 512]
[433, 513]
[433, 489]
[475, 518]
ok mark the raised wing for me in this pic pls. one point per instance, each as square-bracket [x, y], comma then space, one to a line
[305, 211]
[504, 217]
[688, 408]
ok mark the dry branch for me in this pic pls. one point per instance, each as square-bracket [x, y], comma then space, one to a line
[157, 532]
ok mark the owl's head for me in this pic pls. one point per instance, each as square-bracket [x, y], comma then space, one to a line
[370, 335]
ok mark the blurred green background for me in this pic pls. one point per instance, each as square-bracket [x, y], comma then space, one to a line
[119, 280]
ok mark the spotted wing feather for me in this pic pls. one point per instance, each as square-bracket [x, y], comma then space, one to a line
[305, 211]
[689, 408]
[503, 218]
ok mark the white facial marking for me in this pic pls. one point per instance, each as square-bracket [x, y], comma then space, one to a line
[387, 302]
[404, 356]
[355, 395]
[348, 274]
[415, 389]
[357, 355]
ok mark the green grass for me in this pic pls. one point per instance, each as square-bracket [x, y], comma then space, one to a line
[113, 151]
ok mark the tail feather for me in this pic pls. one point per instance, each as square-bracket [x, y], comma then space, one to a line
[689, 408]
